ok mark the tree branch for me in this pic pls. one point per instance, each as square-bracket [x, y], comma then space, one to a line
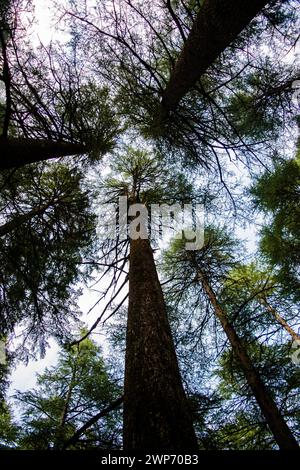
[218, 23]
[114, 405]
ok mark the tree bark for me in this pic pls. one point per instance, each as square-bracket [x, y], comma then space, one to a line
[15, 153]
[218, 23]
[156, 411]
[279, 319]
[280, 430]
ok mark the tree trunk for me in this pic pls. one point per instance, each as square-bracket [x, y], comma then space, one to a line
[218, 23]
[7, 82]
[76, 436]
[59, 435]
[279, 319]
[156, 411]
[15, 153]
[269, 409]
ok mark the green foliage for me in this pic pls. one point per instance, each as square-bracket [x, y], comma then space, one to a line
[282, 379]
[215, 258]
[235, 421]
[249, 118]
[277, 194]
[66, 397]
[92, 118]
[41, 259]
[5, 15]
[140, 173]
[8, 429]
[113, 79]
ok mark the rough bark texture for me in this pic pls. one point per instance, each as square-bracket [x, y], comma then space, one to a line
[156, 411]
[218, 23]
[15, 153]
[269, 409]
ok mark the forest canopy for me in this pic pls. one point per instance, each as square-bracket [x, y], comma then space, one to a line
[150, 225]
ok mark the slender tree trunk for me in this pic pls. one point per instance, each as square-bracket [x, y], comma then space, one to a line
[19, 220]
[279, 319]
[59, 438]
[7, 81]
[156, 411]
[76, 436]
[218, 23]
[15, 153]
[269, 409]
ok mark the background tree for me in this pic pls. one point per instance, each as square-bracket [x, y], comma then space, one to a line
[49, 109]
[8, 429]
[47, 229]
[207, 267]
[218, 117]
[254, 288]
[229, 118]
[244, 427]
[276, 193]
[75, 405]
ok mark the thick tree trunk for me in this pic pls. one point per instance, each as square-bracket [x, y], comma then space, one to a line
[218, 23]
[269, 409]
[279, 319]
[15, 153]
[156, 411]
[19, 220]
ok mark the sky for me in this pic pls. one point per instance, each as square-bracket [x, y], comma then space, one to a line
[24, 376]
[45, 28]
